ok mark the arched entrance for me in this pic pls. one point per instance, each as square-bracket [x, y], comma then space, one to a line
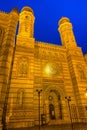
[54, 100]
[53, 105]
[51, 111]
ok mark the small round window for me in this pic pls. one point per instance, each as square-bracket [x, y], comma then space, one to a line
[27, 17]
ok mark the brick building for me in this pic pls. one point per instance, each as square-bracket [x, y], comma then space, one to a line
[27, 65]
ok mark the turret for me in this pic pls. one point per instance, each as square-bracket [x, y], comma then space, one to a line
[66, 32]
[26, 23]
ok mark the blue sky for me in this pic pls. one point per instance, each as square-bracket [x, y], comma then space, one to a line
[47, 14]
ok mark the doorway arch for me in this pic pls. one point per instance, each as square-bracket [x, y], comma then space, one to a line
[53, 103]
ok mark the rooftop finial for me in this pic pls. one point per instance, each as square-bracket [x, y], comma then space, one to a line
[27, 8]
[63, 20]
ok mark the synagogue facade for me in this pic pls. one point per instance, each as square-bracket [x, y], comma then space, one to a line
[37, 77]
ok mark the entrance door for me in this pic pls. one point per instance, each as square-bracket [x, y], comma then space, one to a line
[51, 111]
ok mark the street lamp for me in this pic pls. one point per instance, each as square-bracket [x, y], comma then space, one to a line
[39, 92]
[68, 100]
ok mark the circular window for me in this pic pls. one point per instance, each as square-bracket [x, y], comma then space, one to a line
[27, 17]
[52, 68]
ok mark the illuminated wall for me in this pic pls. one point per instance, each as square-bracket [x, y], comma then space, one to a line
[30, 65]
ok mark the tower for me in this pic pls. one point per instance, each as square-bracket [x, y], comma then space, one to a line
[66, 32]
[22, 80]
[76, 63]
[26, 27]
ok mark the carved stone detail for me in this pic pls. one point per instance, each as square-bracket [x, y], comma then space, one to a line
[23, 67]
[52, 68]
[80, 71]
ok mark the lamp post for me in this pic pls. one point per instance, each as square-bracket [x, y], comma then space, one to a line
[68, 100]
[39, 92]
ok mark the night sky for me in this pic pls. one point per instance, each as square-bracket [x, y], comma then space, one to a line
[47, 14]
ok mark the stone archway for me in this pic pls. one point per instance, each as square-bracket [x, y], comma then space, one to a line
[53, 103]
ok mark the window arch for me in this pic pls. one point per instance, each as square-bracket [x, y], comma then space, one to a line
[81, 72]
[1, 35]
[20, 97]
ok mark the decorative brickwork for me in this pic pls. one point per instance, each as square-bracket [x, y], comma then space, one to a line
[28, 65]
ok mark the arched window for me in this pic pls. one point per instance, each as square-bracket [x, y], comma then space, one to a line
[20, 97]
[81, 72]
[1, 35]
[55, 106]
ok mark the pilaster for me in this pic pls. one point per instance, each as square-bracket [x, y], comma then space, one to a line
[6, 56]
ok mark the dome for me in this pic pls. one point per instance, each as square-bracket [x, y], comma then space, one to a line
[63, 20]
[27, 8]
